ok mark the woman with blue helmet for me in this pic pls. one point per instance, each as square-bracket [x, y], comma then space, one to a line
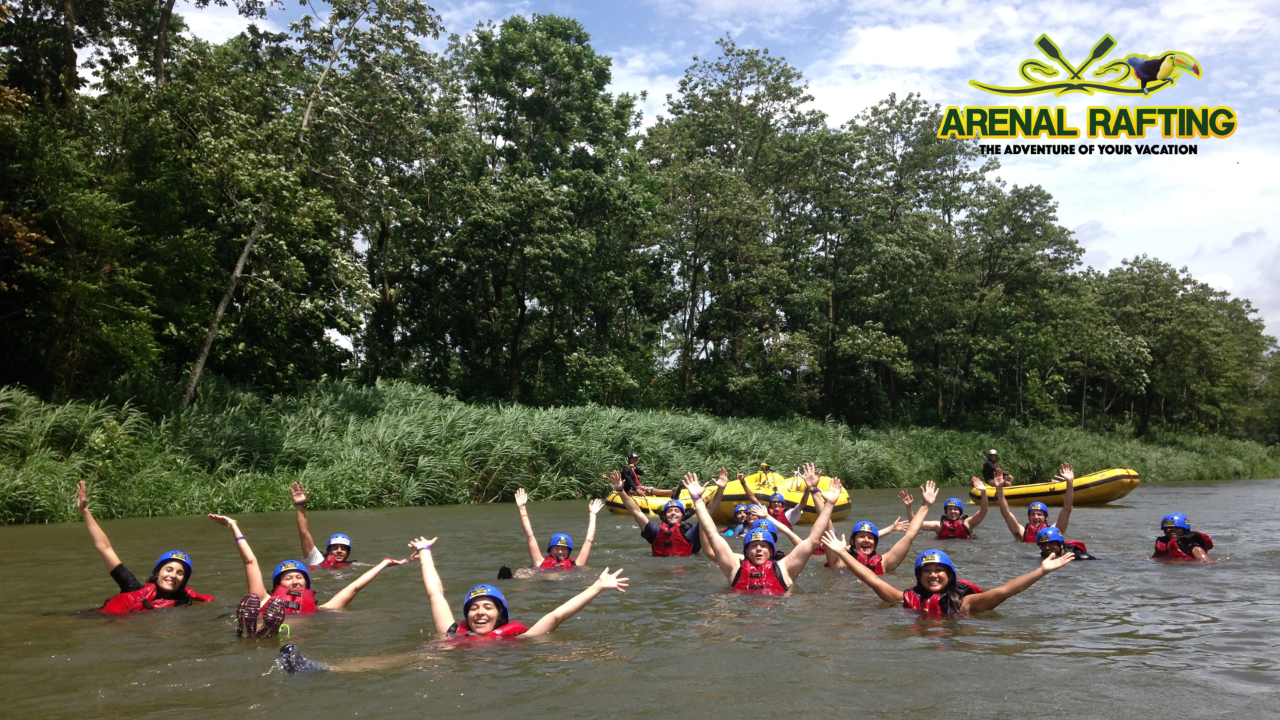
[561, 545]
[865, 538]
[670, 536]
[337, 553]
[939, 589]
[291, 591]
[1180, 542]
[1051, 542]
[954, 524]
[777, 503]
[1037, 512]
[167, 585]
[739, 524]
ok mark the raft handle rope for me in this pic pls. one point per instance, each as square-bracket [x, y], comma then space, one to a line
[286, 634]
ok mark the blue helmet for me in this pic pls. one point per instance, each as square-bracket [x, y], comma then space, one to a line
[670, 504]
[955, 503]
[290, 566]
[175, 556]
[939, 557]
[765, 524]
[866, 527]
[560, 540]
[1049, 534]
[1175, 520]
[777, 497]
[487, 591]
[1038, 506]
[759, 534]
[739, 508]
[340, 540]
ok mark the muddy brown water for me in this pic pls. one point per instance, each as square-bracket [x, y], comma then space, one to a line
[1117, 637]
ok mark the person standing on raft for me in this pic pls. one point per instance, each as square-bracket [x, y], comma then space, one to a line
[756, 571]
[337, 552]
[954, 524]
[167, 585]
[561, 545]
[290, 589]
[938, 589]
[670, 536]
[1180, 542]
[631, 474]
[865, 537]
[1037, 512]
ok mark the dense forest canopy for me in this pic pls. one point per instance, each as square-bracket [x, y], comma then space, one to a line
[491, 222]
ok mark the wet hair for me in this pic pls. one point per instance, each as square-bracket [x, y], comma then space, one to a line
[949, 599]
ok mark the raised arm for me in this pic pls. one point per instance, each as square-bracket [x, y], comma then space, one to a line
[990, 599]
[721, 552]
[976, 520]
[552, 620]
[893, 558]
[722, 482]
[252, 573]
[751, 495]
[100, 541]
[795, 561]
[441, 615]
[629, 502]
[593, 509]
[348, 593]
[1002, 502]
[535, 552]
[300, 497]
[837, 545]
[1068, 501]
[811, 479]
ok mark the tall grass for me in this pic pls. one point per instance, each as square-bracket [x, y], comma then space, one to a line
[399, 444]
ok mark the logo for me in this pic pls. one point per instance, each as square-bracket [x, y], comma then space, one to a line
[1151, 73]
[477, 591]
[291, 565]
[930, 558]
[562, 541]
[865, 527]
[176, 555]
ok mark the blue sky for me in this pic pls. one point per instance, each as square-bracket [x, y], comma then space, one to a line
[1217, 213]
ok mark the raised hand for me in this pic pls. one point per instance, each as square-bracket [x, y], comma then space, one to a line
[522, 498]
[977, 483]
[898, 525]
[1067, 472]
[929, 492]
[1053, 562]
[810, 475]
[393, 561]
[422, 543]
[299, 494]
[595, 506]
[222, 520]
[82, 496]
[906, 498]
[832, 493]
[691, 483]
[999, 481]
[615, 480]
[722, 479]
[833, 541]
[613, 582]
[741, 477]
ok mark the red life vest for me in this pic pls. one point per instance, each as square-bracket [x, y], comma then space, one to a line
[550, 563]
[763, 579]
[296, 601]
[331, 564]
[1077, 545]
[938, 604]
[505, 632]
[1170, 549]
[953, 529]
[1030, 529]
[780, 515]
[671, 542]
[144, 598]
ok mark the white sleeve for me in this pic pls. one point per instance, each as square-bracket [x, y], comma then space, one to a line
[793, 515]
[315, 557]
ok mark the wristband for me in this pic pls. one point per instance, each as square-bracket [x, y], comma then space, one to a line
[300, 504]
[424, 547]
[695, 497]
[239, 538]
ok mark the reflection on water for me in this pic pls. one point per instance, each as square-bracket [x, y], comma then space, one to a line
[1119, 636]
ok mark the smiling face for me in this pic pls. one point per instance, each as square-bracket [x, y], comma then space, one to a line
[934, 577]
[1174, 532]
[170, 576]
[673, 515]
[864, 542]
[777, 505]
[1037, 516]
[294, 580]
[740, 517]
[482, 616]
[559, 552]
[339, 552]
[759, 552]
[953, 512]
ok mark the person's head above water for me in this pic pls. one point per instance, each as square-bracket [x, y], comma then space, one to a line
[172, 571]
[777, 501]
[673, 512]
[953, 508]
[484, 609]
[292, 574]
[1050, 541]
[339, 547]
[934, 571]
[757, 512]
[864, 537]
[1038, 512]
[758, 545]
[740, 514]
[1175, 524]
[560, 546]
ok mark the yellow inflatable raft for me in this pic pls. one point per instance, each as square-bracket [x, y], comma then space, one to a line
[1096, 489]
[761, 483]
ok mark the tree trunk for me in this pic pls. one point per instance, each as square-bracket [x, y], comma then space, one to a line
[162, 42]
[194, 379]
[70, 75]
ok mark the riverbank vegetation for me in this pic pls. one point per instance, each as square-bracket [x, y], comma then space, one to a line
[397, 443]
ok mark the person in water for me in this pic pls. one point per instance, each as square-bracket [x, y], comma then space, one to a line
[1180, 542]
[561, 545]
[485, 616]
[991, 466]
[864, 539]
[739, 525]
[337, 552]
[954, 524]
[777, 505]
[1051, 542]
[290, 589]
[756, 571]
[166, 586]
[670, 536]
[1037, 512]
[939, 589]
[631, 474]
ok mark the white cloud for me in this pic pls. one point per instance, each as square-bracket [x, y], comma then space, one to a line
[636, 70]
[215, 23]
[1219, 281]
[917, 46]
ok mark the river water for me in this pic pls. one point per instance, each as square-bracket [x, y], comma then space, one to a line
[1117, 637]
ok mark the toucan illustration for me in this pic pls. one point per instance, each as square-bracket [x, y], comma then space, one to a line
[1160, 68]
